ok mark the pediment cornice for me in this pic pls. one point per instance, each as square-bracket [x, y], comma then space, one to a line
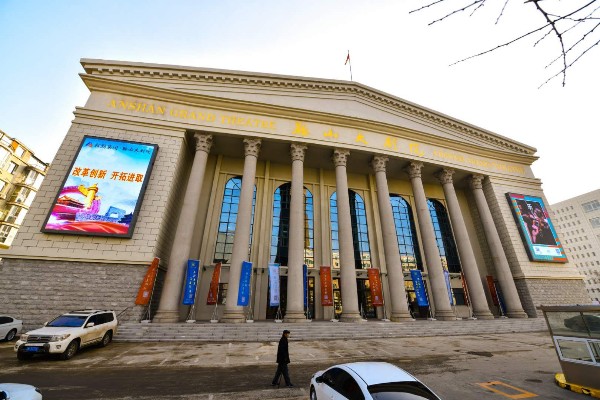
[130, 70]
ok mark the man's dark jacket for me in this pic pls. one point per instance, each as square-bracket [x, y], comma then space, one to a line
[283, 357]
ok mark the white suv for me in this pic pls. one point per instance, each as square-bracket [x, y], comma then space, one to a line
[66, 334]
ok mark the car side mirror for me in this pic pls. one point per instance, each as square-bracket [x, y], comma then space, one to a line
[319, 379]
[89, 325]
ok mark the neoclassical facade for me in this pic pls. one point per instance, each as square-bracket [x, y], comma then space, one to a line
[297, 172]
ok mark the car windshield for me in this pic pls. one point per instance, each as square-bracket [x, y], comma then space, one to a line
[401, 391]
[68, 321]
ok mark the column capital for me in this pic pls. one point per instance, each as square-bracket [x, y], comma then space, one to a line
[340, 157]
[251, 147]
[445, 175]
[414, 169]
[297, 151]
[379, 163]
[203, 142]
[475, 181]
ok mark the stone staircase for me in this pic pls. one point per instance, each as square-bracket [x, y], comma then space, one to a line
[267, 331]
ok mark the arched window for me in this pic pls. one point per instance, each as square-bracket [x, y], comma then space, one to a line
[444, 236]
[281, 226]
[408, 244]
[227, 220]
[360, 231]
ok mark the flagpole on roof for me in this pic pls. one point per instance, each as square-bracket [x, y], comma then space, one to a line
[349, 63]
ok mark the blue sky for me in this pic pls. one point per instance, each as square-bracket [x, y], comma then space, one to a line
[42, 42]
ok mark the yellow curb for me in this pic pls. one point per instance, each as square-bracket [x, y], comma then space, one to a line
[560, 381]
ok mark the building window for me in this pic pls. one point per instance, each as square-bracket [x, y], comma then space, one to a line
[281, 226]
[2, 185]
[228, 218]
[360, 234]
[4, 155]
[20, 195]
[7, 234]
[12, 167]
[595, 222]
[591, 206]
[408, 245]
[444, 236]
[19, 151]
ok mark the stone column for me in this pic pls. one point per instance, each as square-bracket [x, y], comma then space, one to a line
[241, 240]
[350, 311]
[437, 282]
[514, 309]
[168, 309]
[390, 243]
[481, 309]
[295, 288]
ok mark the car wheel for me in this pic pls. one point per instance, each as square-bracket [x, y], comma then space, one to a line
[11, 335]
[21, 356]
[70, 351]
[313, 394]
[106, 339]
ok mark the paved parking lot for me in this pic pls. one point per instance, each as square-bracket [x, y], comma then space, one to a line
[518, 365]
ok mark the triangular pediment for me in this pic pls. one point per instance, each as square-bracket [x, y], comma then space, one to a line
[338, 99]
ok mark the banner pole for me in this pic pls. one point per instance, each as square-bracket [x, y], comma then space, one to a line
[432, 315]
[215, 315]
[468, 298]
[148, 311]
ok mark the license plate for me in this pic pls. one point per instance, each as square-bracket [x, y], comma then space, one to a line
[33, 349]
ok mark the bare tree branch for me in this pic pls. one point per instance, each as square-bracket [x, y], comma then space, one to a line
[570, 30]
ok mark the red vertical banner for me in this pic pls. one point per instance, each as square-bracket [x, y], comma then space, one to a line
[213, 291]
[326, 288]
[375, 285]
[145, 292]
[465, 289]
[492, 287]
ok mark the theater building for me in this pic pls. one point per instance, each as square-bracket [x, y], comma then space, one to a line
[271, 169]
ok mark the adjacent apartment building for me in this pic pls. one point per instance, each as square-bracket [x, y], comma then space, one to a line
[21, 174]
[579, 220]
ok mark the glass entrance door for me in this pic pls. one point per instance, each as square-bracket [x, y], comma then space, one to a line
[272, 311]
[365, 304]
[417, 311]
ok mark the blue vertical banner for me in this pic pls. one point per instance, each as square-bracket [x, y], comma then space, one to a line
[305, 280]
[244, 289]
[449, 287]
[191, 280]
[419, 287]
[273, 285]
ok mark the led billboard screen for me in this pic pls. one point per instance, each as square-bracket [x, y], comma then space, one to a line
[536, 228]
[103, 190]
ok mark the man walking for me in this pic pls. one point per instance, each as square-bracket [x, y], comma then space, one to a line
[283, 359]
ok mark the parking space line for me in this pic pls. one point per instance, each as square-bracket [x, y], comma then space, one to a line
[521, 394]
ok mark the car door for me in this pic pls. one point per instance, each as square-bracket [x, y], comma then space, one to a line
[325, 390]
[89, 333]
[346, 387]
[5, 326]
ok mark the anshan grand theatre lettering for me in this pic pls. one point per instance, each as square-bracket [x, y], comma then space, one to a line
[318, 131]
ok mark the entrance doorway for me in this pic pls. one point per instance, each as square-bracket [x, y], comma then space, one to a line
[365, 304]
[420, 312]
[272, 311]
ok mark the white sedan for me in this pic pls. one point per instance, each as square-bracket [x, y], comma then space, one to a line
[368, 381]
[9, 327]
[18, 391]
